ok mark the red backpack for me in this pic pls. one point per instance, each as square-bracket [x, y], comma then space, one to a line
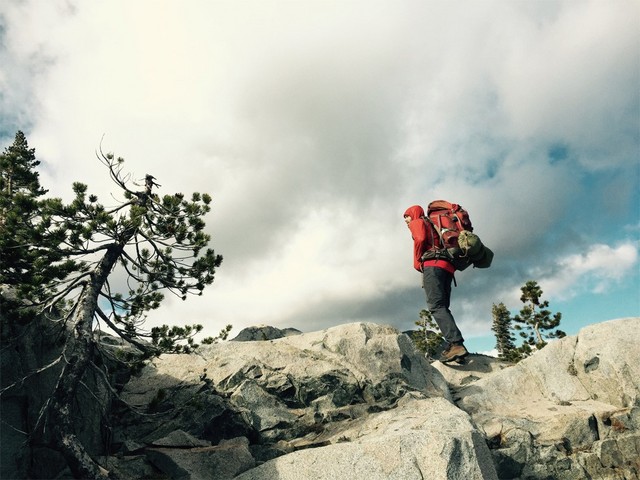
[447, 220]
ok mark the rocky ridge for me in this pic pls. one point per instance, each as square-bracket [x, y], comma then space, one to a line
[358, 401]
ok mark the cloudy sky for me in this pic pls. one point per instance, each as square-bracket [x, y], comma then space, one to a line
[315, 123]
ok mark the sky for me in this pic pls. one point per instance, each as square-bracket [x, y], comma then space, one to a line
[314, 124]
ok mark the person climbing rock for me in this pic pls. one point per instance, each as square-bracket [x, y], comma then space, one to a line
[437, 277]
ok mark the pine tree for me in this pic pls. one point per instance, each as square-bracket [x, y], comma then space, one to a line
[28, 254]
[19, 192]
[505, 342]
[428, 338]
[63, 257]
[535, 322]
[17, 174]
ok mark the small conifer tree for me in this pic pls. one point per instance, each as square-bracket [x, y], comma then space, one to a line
[505, 341]
[428, 338]
[535, 323]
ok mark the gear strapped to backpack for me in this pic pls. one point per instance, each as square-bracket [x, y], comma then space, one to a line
[453, 238]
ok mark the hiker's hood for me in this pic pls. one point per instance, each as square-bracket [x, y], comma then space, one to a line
[414, 212]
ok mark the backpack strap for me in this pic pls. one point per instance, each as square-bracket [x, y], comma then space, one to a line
[438, 230]
[439, 253]
[436, 252]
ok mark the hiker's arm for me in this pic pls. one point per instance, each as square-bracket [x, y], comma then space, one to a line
[419, 235]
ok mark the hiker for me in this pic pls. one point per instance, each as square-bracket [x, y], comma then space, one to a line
[437, 276]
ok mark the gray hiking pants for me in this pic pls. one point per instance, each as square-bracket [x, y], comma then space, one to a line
[437, 287]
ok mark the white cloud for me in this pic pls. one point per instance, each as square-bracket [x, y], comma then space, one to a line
[597, 270]
[490, 353]
[314, 124]
[572, 67]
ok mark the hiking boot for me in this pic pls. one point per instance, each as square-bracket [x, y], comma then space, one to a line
[455, 351]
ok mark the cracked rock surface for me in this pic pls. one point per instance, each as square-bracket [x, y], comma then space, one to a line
[350, 402]
[357, 401]
[563, 411]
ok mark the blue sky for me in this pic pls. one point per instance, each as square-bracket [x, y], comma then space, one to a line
[315, 124]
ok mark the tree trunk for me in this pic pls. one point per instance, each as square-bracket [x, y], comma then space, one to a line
[78, 354]
[536, 328]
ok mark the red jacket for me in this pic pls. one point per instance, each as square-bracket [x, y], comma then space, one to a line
[423, 241]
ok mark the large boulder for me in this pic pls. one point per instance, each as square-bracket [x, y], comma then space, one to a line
[294, 383]
[30, 365]
[340, 393]
[263, 332]
[421, 438]
[225, 460]
[564, 410]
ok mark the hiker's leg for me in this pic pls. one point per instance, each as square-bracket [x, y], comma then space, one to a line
[437, 288]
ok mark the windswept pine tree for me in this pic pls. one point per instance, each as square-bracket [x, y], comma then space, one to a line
[535, 323]
[59, 259]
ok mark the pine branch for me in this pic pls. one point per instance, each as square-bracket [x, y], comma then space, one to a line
[31, 374]
[143, 347]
